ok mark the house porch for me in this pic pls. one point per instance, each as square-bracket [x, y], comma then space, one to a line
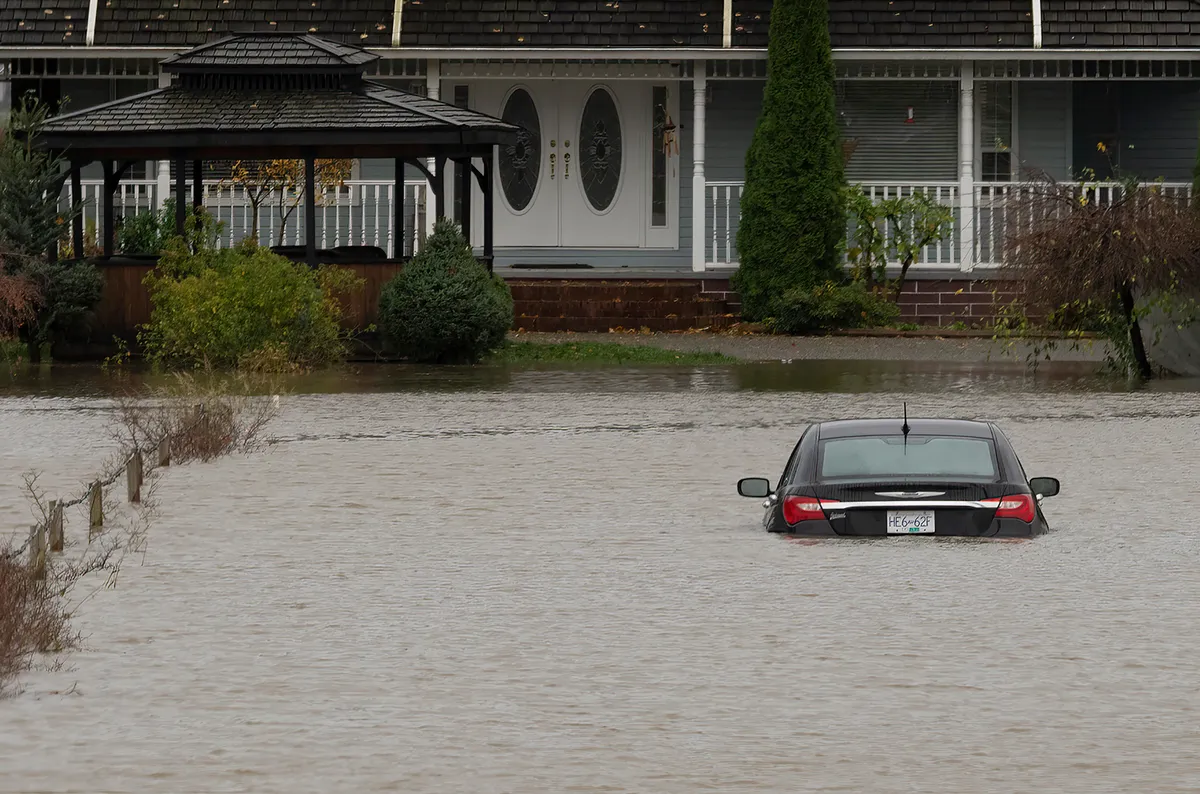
[966, 131]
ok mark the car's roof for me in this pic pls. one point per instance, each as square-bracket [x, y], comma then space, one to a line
[848, 428]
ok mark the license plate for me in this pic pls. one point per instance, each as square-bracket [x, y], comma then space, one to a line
[910, 522]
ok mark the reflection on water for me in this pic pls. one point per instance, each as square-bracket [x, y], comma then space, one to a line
[843, 376]
[525, 580]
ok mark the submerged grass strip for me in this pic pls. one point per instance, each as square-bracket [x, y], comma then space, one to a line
[599, 353]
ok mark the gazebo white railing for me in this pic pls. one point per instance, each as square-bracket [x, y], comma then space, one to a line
[358, 213]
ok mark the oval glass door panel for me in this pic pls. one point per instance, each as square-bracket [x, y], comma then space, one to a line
[600, 149]
[521, 160]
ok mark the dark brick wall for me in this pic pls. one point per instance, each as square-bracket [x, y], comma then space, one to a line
[930, 302]
[679, 305]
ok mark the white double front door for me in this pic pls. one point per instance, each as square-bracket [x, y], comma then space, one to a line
[584, 173]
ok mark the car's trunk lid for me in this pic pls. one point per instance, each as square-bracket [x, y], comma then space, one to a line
[908, 508]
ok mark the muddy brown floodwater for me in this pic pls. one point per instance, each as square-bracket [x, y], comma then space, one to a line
[543, 581]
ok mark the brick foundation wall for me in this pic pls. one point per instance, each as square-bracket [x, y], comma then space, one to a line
[681, 304]
[944, 302]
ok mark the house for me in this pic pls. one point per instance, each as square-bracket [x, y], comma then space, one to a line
[638, 113]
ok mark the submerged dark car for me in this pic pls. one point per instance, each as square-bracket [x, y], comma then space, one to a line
[880, 477]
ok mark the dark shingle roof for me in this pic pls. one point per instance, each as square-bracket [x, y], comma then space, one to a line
[590, 23]
[373, 106]
[43, 22]
[1120, 23]
[904, 23]
[367, 23]
[259, 50]
[561, 23]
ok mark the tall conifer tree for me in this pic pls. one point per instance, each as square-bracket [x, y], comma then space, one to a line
[793, 218]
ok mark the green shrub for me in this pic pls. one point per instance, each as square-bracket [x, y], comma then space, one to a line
[444, 307]
[31, 219]
[150, 232]
[792, 221]
[244, 306]
[32, 223]
[68, 291]
[831, 306]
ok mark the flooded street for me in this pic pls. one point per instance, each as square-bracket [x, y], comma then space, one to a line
[542, 581]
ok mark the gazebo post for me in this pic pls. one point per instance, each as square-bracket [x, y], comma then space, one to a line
[180, 196]
[488, 187]
[197, 183]
[398, 237]
[439, 188]
[464, 193]
[107, 244]
[77, 242]
[310, 210]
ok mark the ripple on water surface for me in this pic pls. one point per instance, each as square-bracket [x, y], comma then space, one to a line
[547, 583]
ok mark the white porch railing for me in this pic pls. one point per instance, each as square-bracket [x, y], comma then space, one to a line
[358, 213]
[993, 217]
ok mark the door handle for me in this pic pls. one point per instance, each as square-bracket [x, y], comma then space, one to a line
[567, 165]
[552, 165]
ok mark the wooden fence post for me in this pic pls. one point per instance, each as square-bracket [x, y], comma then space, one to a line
[164, 451]
[37, 551]
[133, 476]
[95, 509]
[56, 526]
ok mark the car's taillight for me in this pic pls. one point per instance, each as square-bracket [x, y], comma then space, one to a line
[804, 508]
[1019, 505]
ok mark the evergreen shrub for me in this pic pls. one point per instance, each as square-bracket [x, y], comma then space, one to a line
[444, 307]
[793, 219]
[830, 306]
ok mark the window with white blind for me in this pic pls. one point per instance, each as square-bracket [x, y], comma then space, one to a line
[994, 122]
[899, 130]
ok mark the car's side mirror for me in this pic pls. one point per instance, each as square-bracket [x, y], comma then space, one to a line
[1044, 486]
[754, 487]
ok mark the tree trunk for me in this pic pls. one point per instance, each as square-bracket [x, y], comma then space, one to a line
[254, 221]
[904, 266]
[1141, 361]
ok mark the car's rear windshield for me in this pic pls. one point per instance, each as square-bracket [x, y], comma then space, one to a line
[862, 457]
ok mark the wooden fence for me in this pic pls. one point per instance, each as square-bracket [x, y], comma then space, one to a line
[47, 536]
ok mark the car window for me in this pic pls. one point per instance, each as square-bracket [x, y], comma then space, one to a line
[921, 456]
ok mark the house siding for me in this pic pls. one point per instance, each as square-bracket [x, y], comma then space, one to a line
[1150, 128]
[1044, 129]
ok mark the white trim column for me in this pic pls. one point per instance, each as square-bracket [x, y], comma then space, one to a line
[433, 90]
[699, 190]
[5, 95]
[966, 166]
[162, 168]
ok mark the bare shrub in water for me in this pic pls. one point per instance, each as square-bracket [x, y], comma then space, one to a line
[32, 619]
[1098, 257]
[203, 418]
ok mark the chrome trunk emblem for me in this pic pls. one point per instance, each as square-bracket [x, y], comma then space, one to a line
[910, 494]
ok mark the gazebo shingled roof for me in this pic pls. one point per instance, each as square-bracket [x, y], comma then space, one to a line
[276, 96]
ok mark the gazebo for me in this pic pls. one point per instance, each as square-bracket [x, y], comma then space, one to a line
[277, 96]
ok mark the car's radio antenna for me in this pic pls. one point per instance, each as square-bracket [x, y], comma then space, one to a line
[904, 428]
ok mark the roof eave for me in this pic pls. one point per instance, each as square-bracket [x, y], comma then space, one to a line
[326, 139]
[659, 53]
